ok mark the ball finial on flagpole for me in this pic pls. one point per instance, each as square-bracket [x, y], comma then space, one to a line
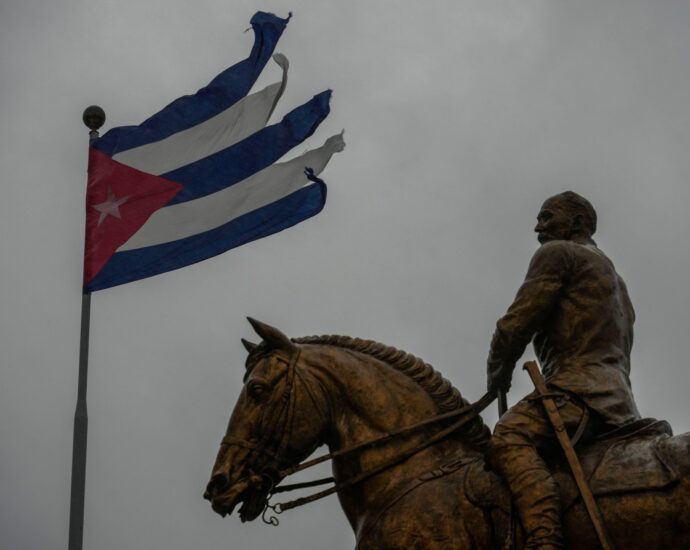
[93, 117]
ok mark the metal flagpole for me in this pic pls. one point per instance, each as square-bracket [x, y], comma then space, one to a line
[93, 117]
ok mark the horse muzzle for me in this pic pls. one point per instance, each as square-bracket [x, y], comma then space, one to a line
[224, 495]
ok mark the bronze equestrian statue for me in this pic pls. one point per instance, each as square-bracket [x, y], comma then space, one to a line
[408, 452]
[576, 309]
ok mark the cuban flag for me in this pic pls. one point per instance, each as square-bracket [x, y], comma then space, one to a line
[201, 176]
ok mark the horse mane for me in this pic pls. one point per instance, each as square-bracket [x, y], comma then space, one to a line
[443, 393]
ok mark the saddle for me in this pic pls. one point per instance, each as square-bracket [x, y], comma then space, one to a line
[635, 458]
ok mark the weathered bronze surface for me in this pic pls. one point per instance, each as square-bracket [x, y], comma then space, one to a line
[341, 391]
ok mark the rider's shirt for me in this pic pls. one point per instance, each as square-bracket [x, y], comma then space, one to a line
[576, 310]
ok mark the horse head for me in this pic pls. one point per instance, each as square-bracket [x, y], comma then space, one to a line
[276, 422]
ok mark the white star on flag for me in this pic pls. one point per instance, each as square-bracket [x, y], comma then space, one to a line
[111, 206]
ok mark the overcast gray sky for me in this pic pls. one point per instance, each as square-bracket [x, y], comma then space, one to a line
[460, 117]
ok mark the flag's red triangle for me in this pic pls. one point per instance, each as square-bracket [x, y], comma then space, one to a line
[119, 200]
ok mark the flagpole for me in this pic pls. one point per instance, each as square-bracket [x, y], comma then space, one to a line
[93, 117]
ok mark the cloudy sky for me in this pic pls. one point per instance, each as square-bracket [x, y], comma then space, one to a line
[460, 118]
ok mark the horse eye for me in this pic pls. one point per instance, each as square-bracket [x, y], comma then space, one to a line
[257, 389]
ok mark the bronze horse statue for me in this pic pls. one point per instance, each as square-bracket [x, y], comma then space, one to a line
[342, 392]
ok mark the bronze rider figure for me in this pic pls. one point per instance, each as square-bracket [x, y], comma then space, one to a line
[575, 309]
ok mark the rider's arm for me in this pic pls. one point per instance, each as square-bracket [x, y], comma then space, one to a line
[548, 272]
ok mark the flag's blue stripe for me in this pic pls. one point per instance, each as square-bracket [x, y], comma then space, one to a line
[132, 265]
[236, 163]
[223, 91]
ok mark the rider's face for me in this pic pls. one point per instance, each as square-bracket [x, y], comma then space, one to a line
[554, 222]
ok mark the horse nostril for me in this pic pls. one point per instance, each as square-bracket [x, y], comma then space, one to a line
[217, 484]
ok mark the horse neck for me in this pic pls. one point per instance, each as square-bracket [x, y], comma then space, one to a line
[368, 399]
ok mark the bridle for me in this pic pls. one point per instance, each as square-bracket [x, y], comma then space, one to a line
[280, 416]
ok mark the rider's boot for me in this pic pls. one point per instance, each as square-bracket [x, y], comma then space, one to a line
[534, 492]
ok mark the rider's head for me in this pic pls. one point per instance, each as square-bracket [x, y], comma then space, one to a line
[566, 216]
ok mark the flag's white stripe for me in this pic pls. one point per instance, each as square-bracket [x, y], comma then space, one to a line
[231, 126]
[197, 216]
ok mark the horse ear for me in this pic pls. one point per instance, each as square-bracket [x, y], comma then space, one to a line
[271, 335]
[249, 346]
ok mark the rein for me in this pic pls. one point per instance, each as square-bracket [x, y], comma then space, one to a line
[280, 418]
[468, 413]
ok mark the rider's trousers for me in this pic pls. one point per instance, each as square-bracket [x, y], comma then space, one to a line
[521, 437]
